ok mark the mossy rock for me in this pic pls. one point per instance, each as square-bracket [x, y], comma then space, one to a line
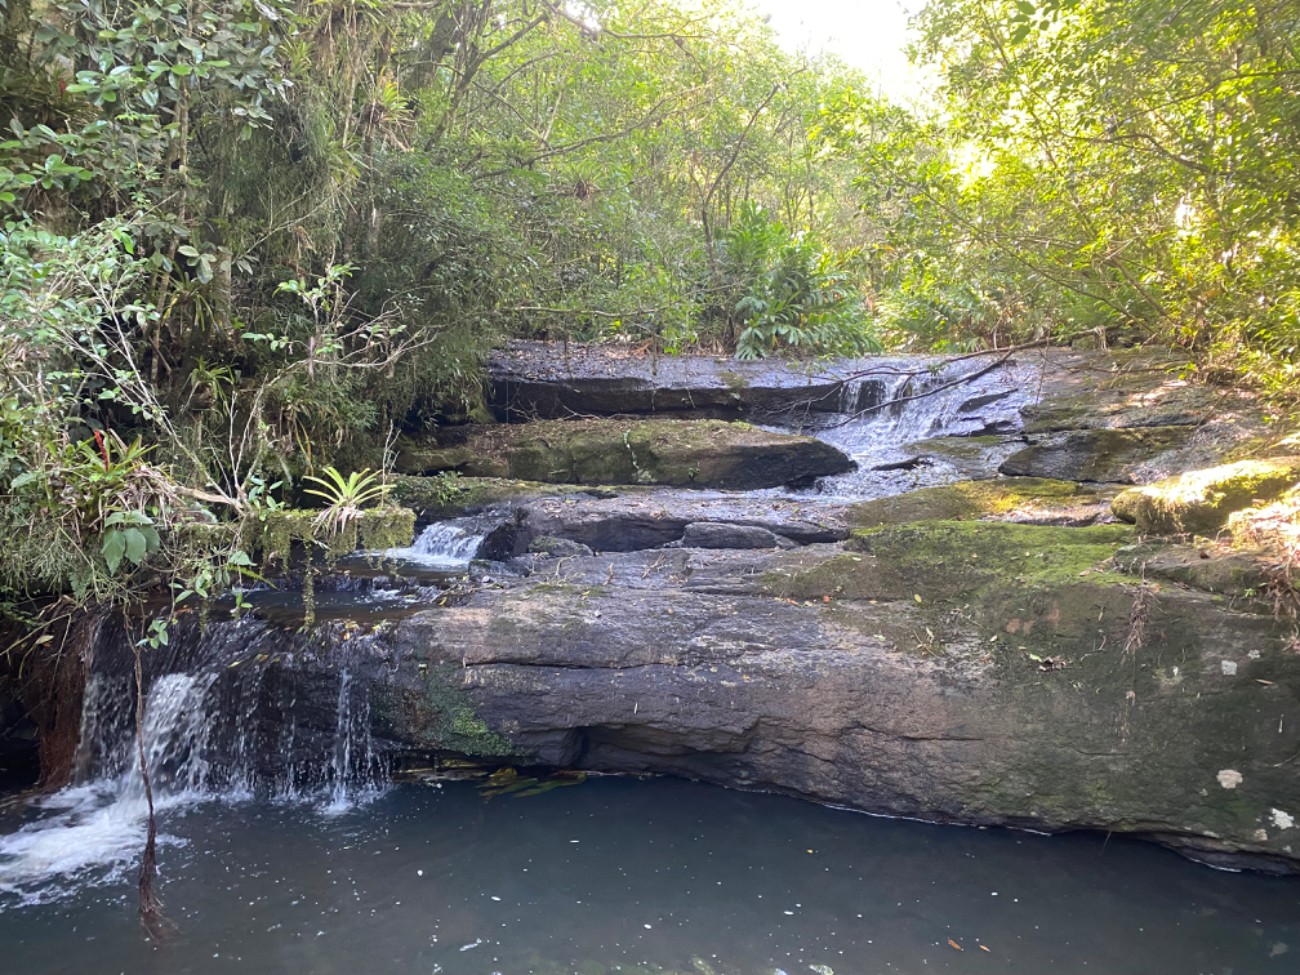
[945, 562]
[681, 453]
[955, 559]
[276, 534]
[1028, 499]
[1201, 501]
[1234, 573]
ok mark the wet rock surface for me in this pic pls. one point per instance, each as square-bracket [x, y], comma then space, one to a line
[641, 520]
[534, 380]
[1103, 455]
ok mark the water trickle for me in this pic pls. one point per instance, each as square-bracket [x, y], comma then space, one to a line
[353, 770]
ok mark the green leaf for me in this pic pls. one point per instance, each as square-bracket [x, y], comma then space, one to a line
[113, 548]
[135, 545]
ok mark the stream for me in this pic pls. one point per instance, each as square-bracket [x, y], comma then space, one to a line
[294, 839]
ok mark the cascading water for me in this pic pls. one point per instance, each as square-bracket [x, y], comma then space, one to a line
[447, 544]
[887, 415]
[223, 720]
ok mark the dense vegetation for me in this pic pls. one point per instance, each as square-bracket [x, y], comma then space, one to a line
[247, 240]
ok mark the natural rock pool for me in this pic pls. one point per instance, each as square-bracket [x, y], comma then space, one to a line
[636, 876]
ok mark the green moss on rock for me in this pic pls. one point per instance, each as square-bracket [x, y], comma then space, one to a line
[1202, 501]
[1004, 497]
[276, 533]
[446, 720]
[952, 560]
[946, 562]
[447, 495]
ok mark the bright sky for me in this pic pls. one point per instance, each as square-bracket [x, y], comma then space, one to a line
[868, 34]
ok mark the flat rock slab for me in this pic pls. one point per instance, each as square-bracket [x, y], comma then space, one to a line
[960, 673]
[1028, 500]
[694, 453]
[1104, 455]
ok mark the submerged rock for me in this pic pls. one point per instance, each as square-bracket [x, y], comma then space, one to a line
[696, 453]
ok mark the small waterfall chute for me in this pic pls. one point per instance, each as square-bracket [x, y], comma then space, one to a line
[450, 544]
[231, 725]
[887, 413]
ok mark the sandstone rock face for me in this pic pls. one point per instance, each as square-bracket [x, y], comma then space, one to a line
[974, 673]
[1202, 501]
[714, 534]
[695, 453]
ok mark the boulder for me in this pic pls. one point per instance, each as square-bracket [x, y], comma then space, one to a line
[695, 453]
[1202, 501]
[712, 534]
[557, 547]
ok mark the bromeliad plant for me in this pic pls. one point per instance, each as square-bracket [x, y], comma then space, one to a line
[345, 497]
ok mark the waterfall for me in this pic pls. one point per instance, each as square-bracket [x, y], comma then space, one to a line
[225, 717]
[447, 544]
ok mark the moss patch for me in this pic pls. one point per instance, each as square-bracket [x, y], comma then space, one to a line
[968, 500]
[448, 495]
[948, 561]
[1202, 501]
[376, 528]
[952, 562]
[448, 721]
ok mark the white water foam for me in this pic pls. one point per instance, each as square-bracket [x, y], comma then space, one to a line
[445, 544]
[99, 826]
[94, 831]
